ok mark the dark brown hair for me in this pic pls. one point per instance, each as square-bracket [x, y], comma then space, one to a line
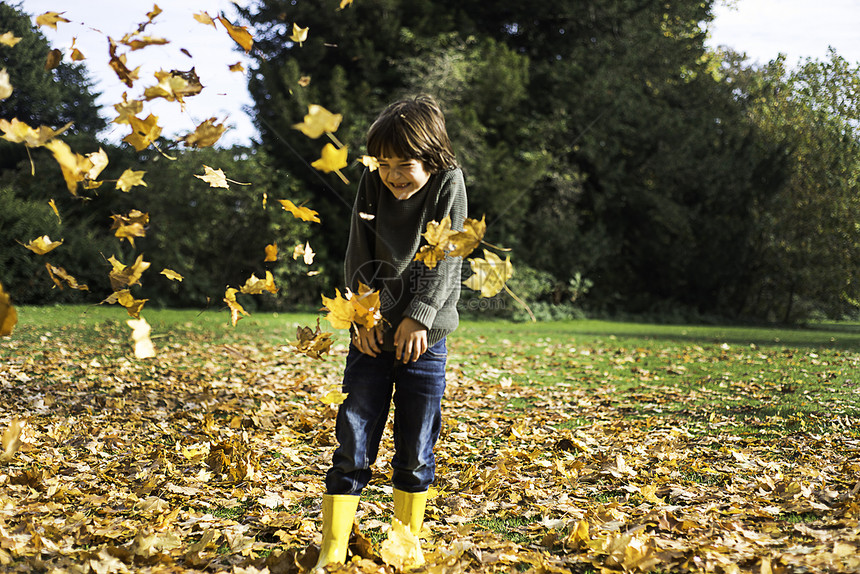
[413, 128]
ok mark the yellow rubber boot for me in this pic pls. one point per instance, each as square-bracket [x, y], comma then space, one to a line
[409, 509]
[338, 516]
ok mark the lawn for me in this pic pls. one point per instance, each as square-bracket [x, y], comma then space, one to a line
[581, 446]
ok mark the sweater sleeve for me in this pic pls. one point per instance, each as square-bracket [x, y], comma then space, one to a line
[359, 249]
[434, 287]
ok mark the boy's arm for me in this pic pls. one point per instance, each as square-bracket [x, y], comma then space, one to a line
[434, 286]
[359, 249]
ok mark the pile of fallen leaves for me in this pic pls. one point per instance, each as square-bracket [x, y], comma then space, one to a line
[211, 456]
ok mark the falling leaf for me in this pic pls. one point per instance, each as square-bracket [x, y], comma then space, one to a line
[333, 159]
[362, 308]
[205, 135]
[174, 85]
[144, 132]
[143, 347]
[118, 64]
[124, 298]
[340, 311]
[236, 310]
[303, 213]
[50, 19]
[313, 343]
[53, 59]
[466, 241]
[17, 131]
[130, 178]
[366, 216]
[75, 167]
[305, 252]
[271, 253]
[370, 162]
[127, 109]
[345, 3]
[299, 35]
[401, 549]
[205, 18]
[99, 160]
[6, 88]
[172, 275]
[11, 440]
[237, 67]
[155, 12]
[214, 177]
[56, 211]
[42, 245]
[138, 43]
[256, 286]
[430, 255]
[334, 397]
[122, 275]
[130, 226]
[239, 34]
[305, 81]
[77, 55]
[490, 274]
[8, 315]
[9, 39]
[60, 276]
[318, 121]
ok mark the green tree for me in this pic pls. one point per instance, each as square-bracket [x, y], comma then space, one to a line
[42, 97]
[808, 247]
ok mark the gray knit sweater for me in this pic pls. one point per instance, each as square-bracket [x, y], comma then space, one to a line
[385, 235]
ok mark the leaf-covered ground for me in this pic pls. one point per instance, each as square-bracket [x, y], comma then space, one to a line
[571, 447]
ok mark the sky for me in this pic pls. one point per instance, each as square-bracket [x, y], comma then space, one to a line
[760, 28]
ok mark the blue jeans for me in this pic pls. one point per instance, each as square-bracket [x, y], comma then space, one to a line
[370, 381]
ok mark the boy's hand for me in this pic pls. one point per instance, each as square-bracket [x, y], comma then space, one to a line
[368, 342]
[410, 340]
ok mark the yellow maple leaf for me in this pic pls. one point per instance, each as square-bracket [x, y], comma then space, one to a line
[99, 160]
[17, 131]
[144, 132]
[124, 298]
[174, 86]
[367, 306]
[127, 109]
[312, 343]
[332, 159]
[300, 35]
[401, 549]
[299, 212]
[462, 243]
[214, 177]
[206, 134]
[490, 274]
[256, 286]
[56, 211]
[118, 64]
[77, 55]
[42, 245]
[143, 347]
[344, 4]
[172, 275]
[305, 252]
[318, 121]
[271, 253]
[305, 81]
[340, 311]
[236, 310]
[430, 255]
[60, 276]
[138, 43]
[205, 18]
[155, 12]
[10, 442]
[75, 167]
[8, 314]
[334, 397]
[239, 34]
[370, 162]
[130, 178]
[9, 39]
[130, 226]
[53, 59]
[50, 19]
[237, 67]
[122, 275]
[6, 88]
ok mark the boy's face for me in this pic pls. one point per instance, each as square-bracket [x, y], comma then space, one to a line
[403, 177]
